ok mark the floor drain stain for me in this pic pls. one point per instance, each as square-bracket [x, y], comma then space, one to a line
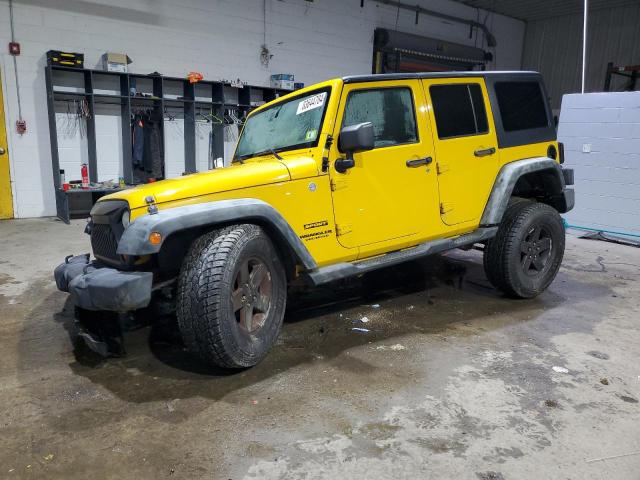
[490, 476]
[628, 399]
[600, 355]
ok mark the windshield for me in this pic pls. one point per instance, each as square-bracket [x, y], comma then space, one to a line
[292, 124]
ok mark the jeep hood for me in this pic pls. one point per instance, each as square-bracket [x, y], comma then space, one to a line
[251, 173]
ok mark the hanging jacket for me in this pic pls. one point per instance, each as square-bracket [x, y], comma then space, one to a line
[137, 136]
[153, 158]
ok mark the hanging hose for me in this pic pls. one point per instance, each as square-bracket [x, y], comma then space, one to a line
[15, 62]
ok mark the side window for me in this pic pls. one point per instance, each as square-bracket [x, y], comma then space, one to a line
[389, 109]
[459, 110]
[521, 105]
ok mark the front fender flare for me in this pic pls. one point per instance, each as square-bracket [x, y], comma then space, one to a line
[135, 239]
[506, 181]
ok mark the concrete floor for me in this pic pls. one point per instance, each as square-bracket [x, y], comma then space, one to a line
[452, 381]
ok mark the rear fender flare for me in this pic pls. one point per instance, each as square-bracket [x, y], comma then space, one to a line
[506, 180]
[135, 239]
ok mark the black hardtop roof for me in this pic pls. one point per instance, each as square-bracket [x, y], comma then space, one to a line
[381, 77]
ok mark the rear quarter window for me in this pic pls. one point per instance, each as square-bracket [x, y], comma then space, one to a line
[521, 105]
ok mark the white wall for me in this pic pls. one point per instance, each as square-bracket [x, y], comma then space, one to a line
[601, 136]
[220, 38]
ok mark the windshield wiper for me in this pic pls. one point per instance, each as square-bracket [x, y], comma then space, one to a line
[272, 151]
[275, 154]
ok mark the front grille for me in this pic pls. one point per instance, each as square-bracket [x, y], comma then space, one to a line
[104, 242]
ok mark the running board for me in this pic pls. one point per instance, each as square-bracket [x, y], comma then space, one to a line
[343, 270]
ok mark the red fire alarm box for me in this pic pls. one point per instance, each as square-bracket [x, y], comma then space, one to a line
[21, 127]
[14, 48]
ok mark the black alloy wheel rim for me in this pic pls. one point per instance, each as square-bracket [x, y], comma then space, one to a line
[535, 250]
[251, 295]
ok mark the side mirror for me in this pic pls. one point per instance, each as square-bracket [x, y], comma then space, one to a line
[354, 139]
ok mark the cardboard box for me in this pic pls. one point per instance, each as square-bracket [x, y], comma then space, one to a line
[282, 80]
[282, 76]
[115, 62]
[283, 84]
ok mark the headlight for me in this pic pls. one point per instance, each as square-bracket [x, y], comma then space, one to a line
[126, 218]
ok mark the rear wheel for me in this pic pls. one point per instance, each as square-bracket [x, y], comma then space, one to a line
[524, 257]
[231, 296]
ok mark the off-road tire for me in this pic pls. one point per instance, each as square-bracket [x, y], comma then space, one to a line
[207, 287]
[505, 256]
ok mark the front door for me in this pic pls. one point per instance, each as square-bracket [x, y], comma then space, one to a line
[391, 191]
[6, 203]
[466, 146]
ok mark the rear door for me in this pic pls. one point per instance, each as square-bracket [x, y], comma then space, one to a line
[465, 144]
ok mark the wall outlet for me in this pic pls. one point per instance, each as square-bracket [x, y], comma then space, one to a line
[586, 148]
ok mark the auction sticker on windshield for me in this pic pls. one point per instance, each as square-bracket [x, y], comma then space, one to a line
[312, 102]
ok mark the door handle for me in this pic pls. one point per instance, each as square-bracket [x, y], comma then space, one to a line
[483, 152]
[2, 151]
[419, 161]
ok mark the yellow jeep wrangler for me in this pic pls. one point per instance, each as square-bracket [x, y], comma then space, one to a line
[332, 181]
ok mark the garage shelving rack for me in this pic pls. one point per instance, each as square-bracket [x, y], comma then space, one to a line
[186, 97]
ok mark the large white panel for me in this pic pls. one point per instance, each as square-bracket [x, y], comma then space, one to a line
[109, 142]
[174, 147]
[606, 159]
[203, 139]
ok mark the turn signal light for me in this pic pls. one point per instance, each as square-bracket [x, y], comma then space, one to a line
[155, 238]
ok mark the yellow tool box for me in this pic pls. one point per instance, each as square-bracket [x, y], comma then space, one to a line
[67, 59]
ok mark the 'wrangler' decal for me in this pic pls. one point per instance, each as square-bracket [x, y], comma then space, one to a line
[316, 235]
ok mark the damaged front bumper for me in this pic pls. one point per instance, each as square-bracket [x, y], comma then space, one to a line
[96, 287]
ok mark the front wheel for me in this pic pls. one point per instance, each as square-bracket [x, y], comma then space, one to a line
[231, 296]
[525, 255]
